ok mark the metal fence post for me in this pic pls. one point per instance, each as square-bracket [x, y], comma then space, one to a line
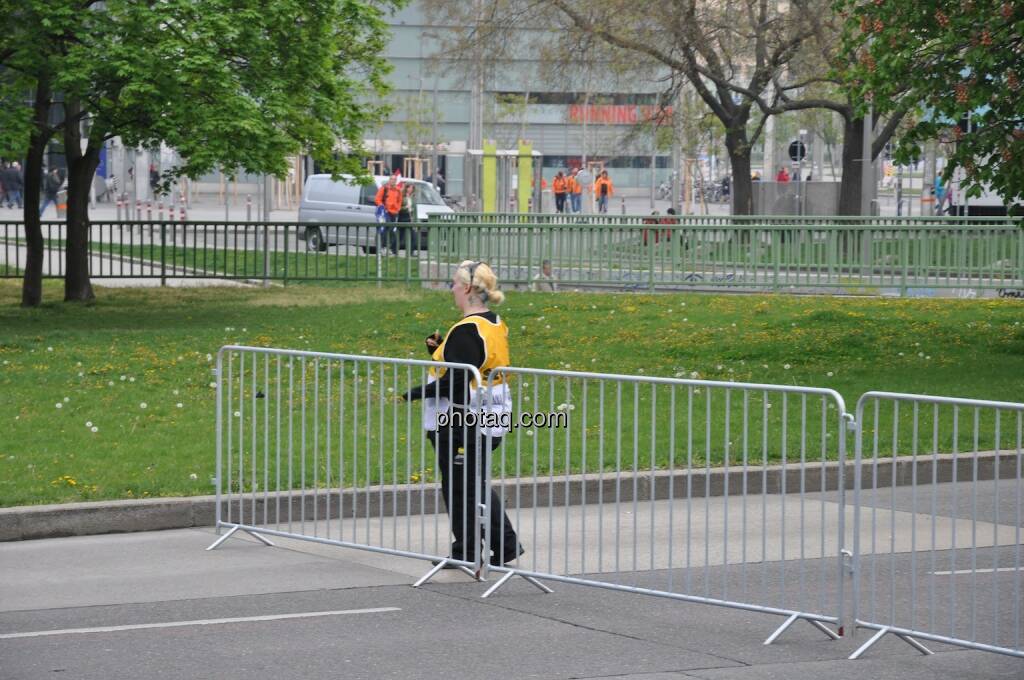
[266, 256]
[163, 253]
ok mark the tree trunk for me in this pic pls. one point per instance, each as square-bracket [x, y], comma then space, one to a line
[739, 159]
[32, 282]
[850, 188]
[81, 168]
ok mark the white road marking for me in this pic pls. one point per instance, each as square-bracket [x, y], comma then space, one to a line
[960, 572]
[200, 622]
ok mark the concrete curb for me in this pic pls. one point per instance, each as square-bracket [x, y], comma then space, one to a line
[83, 519]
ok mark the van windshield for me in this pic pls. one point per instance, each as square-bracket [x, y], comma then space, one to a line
[426, 194]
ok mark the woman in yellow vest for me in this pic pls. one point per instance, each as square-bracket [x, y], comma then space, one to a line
[479, 338]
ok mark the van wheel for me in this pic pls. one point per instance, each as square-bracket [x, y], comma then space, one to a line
[315, 240]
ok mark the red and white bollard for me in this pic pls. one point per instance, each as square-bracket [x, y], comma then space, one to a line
[138, 209]
[160, 211]
[182, 213]
[149, 211]
[120, 204]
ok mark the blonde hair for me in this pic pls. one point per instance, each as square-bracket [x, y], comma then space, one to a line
[484, 284]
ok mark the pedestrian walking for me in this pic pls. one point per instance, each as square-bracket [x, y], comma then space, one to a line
[14, 185]
[406, 236]
[479, 338]
[575, 190]
[51, 185]
[782, 176]
[560, 187]
[604, 190]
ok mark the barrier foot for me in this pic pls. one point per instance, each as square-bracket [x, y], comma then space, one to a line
[915, 644]
[438, 567]
[508, 575]
[881, 633]
[832, 635]
[223, 538]
[262, 539]
[256, 535]
[502, 581]
[782, 629]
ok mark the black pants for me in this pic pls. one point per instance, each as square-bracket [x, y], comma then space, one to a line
[458, 470]
[560, 202]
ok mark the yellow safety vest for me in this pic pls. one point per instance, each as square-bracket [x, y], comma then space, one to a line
[496, 353]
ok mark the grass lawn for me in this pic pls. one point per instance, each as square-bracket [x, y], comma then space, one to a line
[102, 362]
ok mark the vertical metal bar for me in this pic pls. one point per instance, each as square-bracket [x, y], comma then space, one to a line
[291, 437]
[671, 481]
[952, 551]
[241, 438]
[302, 461]
[327, 445]
[316, 445]
[220, 436]
[892, 512]
[341, 449]
[707, 493]
[636, 471]
[725, 498]
[974, 527]
[583, 485]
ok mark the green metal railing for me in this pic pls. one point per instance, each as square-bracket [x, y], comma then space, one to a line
[716, 220]
[851, 257]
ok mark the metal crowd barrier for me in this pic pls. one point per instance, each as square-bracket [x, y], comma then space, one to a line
[721, 493]
[700, 491]
[958, 579]
[318, 447]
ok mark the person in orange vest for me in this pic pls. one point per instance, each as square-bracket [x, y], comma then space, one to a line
[390, 196]
[560, 187]
[603, 189]
[575, 191]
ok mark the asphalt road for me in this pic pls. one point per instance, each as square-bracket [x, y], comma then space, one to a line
[157, 605]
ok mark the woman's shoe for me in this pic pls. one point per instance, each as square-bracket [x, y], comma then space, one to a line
[496, 562]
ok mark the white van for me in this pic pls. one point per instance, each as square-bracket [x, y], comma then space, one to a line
[342, 208]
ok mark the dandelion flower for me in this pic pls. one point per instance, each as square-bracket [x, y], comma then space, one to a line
[522, 328]
[829, 374]
[49, 349]
[901, 354]
[920, 354]
[142, 405]
[548, 327]
[95, 429]
[238, 414]
[123, 378]
[561, 407]
[718, 367]
[213, 384]
[928, 357]
[180, 405]
[131, 379]
[244, 330]
[110, 383]
[80, 374]
[193, 476]
[694, 375]
[59, 405]
[209, 357]
[786, 366]
[529, 433]
[88, 423]
[175, 392]
[67, 399]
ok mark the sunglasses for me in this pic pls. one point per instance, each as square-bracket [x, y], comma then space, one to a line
[472, 270]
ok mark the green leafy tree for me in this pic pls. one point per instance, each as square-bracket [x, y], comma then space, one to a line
[961, 60]
[239, 84]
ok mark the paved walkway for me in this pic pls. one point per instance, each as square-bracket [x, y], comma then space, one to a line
[157, 605]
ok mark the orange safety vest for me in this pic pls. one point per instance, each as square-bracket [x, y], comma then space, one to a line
[599, 182]
[560, 185]
[573, 185]
[390, 198]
